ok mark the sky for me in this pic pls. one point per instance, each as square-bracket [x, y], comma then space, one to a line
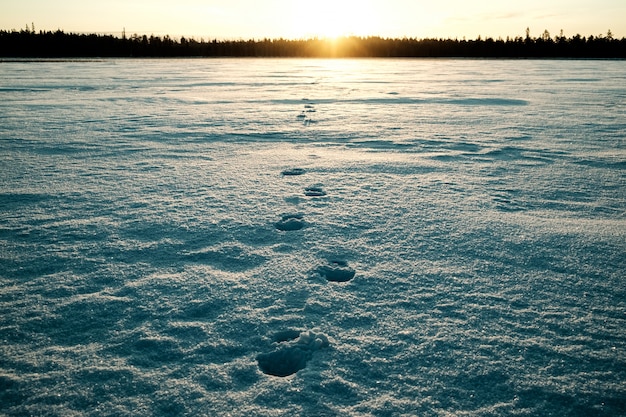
[297, 19]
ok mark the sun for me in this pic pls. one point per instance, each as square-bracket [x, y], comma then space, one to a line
[333, 18]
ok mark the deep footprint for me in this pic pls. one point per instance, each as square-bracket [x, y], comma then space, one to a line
[292, 356]
[290, 222]
[314, 191]
[293, 171]
[336, 271]
[286, 335]
[284, 361]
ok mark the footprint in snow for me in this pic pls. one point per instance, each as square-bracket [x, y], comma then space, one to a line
[292, 354]
[314, 191]
[290, 222]
[308, 108]
[336, 271]
[293, 171]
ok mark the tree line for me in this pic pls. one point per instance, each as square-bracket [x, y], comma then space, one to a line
[27, 43]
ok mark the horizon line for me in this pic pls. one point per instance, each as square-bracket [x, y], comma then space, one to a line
[120, 34]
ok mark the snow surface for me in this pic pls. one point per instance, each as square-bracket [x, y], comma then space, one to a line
[461, 251]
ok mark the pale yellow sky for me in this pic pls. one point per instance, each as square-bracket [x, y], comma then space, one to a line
[247, 19]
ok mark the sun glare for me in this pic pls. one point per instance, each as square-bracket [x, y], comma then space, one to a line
[334, 18]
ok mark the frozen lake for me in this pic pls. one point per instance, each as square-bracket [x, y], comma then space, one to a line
[313, 237]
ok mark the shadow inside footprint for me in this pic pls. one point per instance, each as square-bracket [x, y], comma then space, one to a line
[290, 222]
[293, 355]
[284, 361]
[336, 271]
[286, 335]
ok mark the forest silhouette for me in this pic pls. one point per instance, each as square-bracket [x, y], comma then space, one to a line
[27, 43]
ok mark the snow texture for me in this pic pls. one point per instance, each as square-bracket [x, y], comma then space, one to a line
[159, 254]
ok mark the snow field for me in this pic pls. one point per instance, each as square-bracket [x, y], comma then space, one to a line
[458, 253]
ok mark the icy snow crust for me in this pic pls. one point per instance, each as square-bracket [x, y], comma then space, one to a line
[472, 212]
